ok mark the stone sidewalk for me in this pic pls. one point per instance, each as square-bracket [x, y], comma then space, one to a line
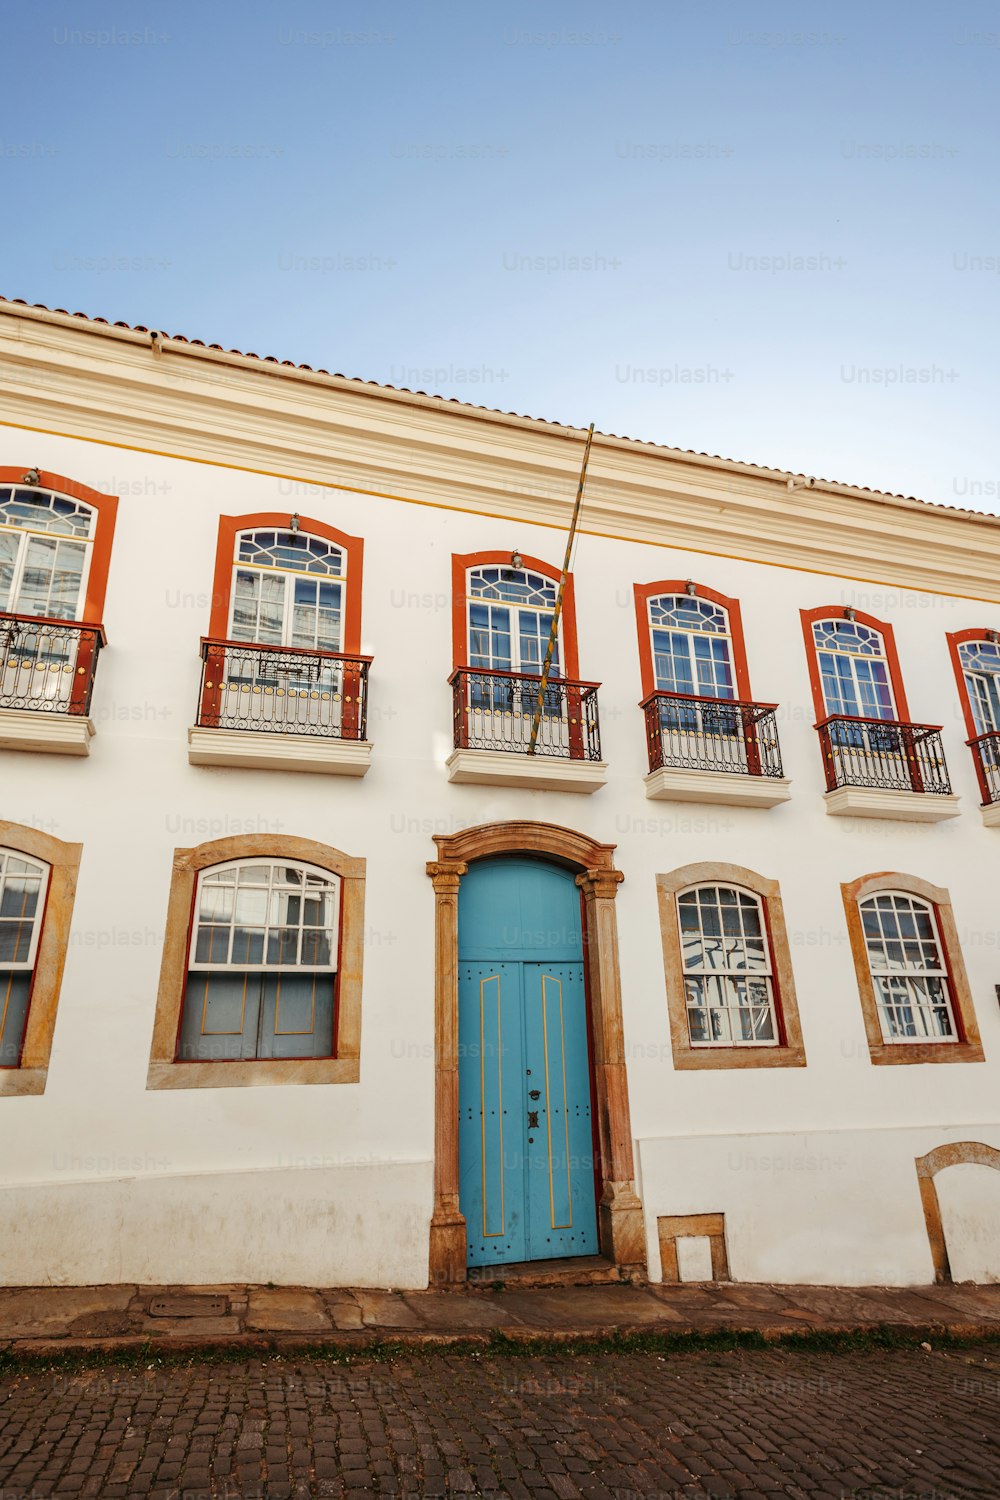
[46, 1319]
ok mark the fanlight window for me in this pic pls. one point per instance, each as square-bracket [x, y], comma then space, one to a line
[728, 972]
[288, 590]
[981, 668]
[909, 974]
[854, 670]
[692, 648]
[45, 542]
[263, 962]
[510, 620]
[23, 884]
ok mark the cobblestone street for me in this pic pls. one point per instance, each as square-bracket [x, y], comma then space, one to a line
[879, 1425]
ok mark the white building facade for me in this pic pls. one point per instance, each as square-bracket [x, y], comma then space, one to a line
[333, 952]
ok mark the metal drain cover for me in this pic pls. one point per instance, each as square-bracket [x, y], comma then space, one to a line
[182, 1306]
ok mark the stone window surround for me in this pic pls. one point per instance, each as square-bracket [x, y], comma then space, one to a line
[968, 1047]
[621, 1228]
[955, 1153]
[790, 1051]
[63, 861]
[167, 1073]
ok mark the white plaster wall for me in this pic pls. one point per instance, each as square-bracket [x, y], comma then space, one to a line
[136, 799]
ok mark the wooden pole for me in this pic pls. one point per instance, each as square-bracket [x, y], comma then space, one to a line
[556, 613]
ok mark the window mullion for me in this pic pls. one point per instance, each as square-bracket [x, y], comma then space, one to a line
[17, 577]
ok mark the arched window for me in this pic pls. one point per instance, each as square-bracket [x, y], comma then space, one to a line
[285, 630]
[510, 620]
[975, 656]
[690, 641]
[980, 661]
[46, 546]
[55, 551]
[727, 966]
[908, 969]
[914, 990]
[866, 737]
[23, 885]
[288, 590]
[284, 580]
[691, 646]
[854, 671]
[263, 962]
[503, 606]
[696, 686]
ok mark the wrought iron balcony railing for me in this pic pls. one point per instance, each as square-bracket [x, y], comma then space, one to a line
[495, 711]
[986, 753]
[689, 733]
[48, 666]
[883, 754]
[283, 690]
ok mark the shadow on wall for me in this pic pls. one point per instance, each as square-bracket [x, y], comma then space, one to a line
[962, 1212]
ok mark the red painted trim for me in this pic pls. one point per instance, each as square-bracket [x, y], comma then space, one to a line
[106, 507]
[225, 556]
[646, 591]
[955, 639]
[836, 612]
[460, 565]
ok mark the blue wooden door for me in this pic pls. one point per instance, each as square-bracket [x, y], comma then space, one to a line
[527, 1184]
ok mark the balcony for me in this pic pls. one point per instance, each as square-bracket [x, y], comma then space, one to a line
[877, 768]
[986, 754]
[493, 715]
[713, 750]
[281, 708]
[47, 670]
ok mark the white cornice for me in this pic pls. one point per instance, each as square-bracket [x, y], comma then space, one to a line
[89, 380]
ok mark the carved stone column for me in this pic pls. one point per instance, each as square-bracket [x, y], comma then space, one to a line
[623, 1237]
[447, 1241]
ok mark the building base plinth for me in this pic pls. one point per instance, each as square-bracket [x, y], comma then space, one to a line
[623, 1230]
[447, 1250]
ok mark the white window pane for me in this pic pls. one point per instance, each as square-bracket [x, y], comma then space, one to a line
[259, 916]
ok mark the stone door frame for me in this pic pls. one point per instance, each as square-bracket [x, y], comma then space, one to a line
[620, 1223]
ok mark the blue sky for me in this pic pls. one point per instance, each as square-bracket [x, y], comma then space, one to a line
[768, 230]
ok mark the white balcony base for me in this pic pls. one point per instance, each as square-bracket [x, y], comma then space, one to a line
[874, 802]
[56, 734]
[673, 784]
[256, 751]
[538, 773]
[991, 815]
